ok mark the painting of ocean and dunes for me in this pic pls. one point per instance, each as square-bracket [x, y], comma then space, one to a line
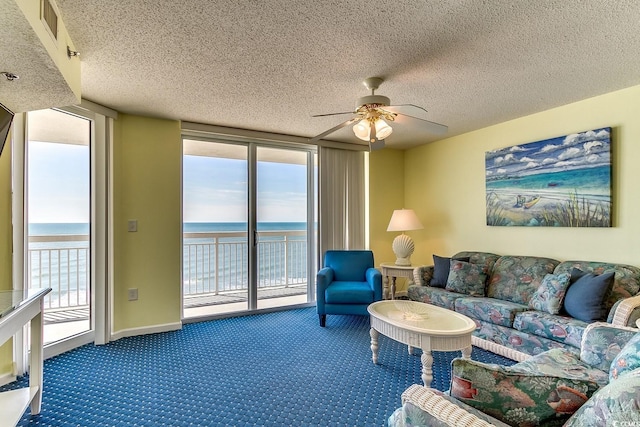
[557, 182]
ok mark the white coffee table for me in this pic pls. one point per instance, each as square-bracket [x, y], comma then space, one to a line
[420, 325]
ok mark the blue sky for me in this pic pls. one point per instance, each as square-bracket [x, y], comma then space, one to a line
[579, 150]
[58, 182]
[215, 190]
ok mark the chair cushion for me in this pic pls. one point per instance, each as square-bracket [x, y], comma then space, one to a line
[466, 278]
[601, 343]
[627, 360]
[585, 298]
[348, 293]
[550, 295]
[616, 404]
[441, 267]
[518, 398]
[560, 362]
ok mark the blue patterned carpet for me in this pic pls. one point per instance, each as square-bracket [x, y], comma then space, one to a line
[276, 369]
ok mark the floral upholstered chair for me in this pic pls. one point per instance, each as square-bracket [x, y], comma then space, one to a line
[598, 387]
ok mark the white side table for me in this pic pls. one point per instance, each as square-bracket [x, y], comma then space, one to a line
[392, 271]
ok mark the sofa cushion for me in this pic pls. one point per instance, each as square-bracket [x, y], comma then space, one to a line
[485, 259]
[627, 360]
[489, 310]
[435, 296]
[550, 295]
[466, 278]
[348, 293]
[516, 278]
[616, 404]
[552, 326]
[626, 281]
[585, 298]
[515, 397]
[516, 340]
[441, 266]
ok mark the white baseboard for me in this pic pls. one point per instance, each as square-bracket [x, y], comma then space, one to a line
[7, 378]
[132, 332]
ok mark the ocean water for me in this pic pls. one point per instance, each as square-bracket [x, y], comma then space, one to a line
[589, 182]
[214, 263]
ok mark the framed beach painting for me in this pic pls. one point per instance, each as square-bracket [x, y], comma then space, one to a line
[557, 182]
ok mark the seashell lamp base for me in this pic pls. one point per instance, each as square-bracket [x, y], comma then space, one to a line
[403, 248]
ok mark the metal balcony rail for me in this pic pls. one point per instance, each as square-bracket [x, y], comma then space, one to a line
[212, 263]
[218, 262]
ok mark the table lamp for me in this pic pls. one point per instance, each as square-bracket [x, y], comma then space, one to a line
[403, 220]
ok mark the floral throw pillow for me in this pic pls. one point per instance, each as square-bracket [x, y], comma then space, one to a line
[518, 398]
[466, 278]
[550, 294]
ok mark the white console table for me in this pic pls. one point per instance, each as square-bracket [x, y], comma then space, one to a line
[16, 310]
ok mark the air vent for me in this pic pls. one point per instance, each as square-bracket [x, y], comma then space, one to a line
[49, 18]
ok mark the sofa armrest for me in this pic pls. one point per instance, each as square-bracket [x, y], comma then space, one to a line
[438, 407]
[624, 310]
[422, 275]
[601, 343]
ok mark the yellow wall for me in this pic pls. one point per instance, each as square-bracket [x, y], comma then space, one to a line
[444, 182]
[147, 157]
[6, 353]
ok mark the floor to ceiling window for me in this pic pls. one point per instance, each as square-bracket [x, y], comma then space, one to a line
[249, 239]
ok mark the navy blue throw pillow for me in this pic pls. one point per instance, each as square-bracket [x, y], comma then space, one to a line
[585, 297]
[441, 266]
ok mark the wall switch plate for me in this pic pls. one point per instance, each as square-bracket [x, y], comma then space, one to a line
[133, 294]
[132, 225]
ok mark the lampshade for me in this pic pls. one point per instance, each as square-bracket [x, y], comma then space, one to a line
[383, 130]
[404, 220]
[362, 129]
[403, 246]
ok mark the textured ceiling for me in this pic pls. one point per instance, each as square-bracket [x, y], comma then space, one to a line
[270, 65]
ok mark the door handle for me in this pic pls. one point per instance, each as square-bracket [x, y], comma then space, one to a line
[255, 238]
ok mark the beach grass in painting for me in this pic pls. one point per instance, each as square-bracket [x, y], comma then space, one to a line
[558, 182]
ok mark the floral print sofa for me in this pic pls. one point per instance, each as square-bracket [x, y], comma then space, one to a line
[502, 294]
[600, 386]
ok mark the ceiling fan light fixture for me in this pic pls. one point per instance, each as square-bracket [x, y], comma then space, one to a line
[362, 129]
[383, 130]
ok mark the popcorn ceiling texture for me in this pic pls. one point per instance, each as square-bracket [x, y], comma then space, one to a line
[269, 65]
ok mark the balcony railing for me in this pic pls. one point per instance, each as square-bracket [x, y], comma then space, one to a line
[218, 262]
[213, 264]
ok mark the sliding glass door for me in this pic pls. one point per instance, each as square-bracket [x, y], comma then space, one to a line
[58, 215]
[247, 240]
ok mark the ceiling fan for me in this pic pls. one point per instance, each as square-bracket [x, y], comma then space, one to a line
[372, 114]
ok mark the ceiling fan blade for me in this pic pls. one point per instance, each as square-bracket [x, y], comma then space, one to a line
[333, 129]
[426, 125]
[408, 109]
[332, 114]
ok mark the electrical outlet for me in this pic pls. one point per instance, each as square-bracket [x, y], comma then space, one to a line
[132, 225]
[133, 294]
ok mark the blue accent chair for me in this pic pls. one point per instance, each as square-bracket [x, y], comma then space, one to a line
[347, 283]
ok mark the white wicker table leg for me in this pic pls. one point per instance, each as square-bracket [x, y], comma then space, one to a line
[427, 363]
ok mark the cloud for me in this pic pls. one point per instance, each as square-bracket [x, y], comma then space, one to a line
[531, 165]
[549, 161]
[570, 153]
[571, 139]
[564, 164]
[516, 148]
[589, 146]
[506, 160]
[501, 171]
[549, 147]
[526, 159]
[593, 158]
